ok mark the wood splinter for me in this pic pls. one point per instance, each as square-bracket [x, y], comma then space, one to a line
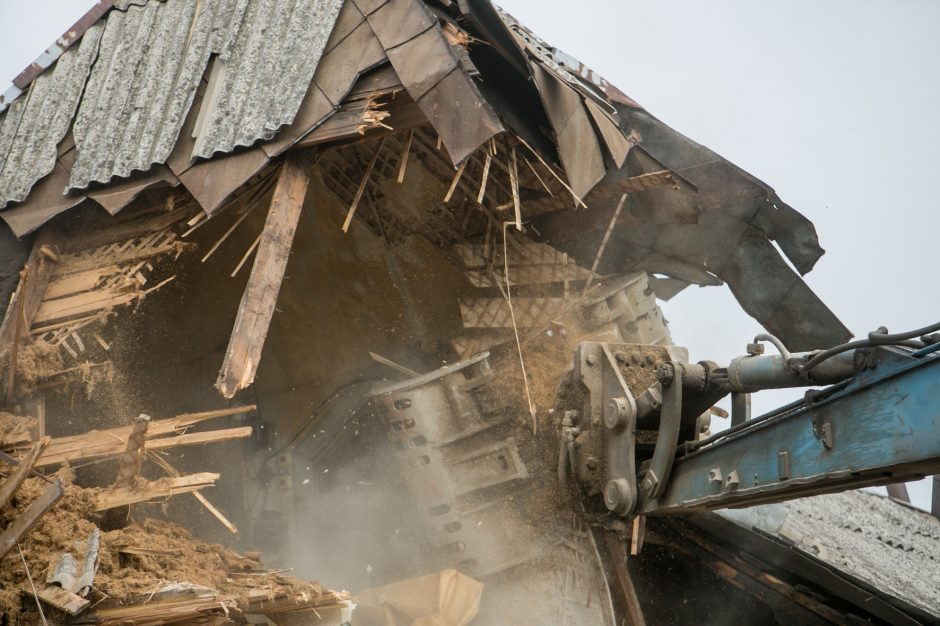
[128, 468]
[404, 156]
[133, 455]
[453, 184]
[362, 186]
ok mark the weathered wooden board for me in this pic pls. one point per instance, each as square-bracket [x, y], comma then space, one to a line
[156, 490]
[258, 301]
[62, 599]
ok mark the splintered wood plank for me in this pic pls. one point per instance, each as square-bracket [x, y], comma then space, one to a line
[124, 231]
[100, 447]
[169, 610]
[84, 303]
[29, 292]
[61, 286]
[28, 518]
[113, 261]
[258, 301]
[155, 490]
[172, 471]
[62, 599]
[102, 443]
[26, 463]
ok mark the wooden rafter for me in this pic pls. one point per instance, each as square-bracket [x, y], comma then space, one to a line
[264, 284]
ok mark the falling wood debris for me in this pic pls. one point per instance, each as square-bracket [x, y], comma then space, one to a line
[98, 444]
[215, 585]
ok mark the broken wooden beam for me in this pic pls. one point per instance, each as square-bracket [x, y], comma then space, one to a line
[154, 490]
[133, 455]
[158, 428]
[167, 609]
[113, 447]
[629, 596]
[28, 518]
[29, 293]
[26, 463]
[260, 296]
[63, 600]
[172, 471]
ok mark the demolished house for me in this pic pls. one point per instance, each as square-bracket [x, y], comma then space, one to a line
[335, 257]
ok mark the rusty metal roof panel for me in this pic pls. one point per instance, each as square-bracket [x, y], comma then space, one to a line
[32, 127]
[151, 58]
[263, 71]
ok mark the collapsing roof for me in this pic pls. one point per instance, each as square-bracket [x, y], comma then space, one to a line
[441, 122]
[205, 94]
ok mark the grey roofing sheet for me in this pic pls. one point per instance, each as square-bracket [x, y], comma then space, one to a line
[151, 58]
[890, 546]
[32, 127]
[263, 72]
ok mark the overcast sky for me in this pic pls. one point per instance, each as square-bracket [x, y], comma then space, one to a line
[834, 104]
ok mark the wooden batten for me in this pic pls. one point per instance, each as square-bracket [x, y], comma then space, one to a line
[98, 444]
[95, 446]
[155, 490]
[260, 296]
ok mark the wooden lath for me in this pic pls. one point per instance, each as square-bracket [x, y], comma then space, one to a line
[73, 282]
[106, 276]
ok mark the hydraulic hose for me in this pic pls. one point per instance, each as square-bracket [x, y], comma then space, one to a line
[879, 337]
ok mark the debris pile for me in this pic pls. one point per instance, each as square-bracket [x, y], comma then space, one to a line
[69, 550]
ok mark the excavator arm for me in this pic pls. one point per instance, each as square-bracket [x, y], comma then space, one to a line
[632, 441]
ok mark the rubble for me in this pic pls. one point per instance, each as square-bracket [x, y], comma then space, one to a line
[148, 572]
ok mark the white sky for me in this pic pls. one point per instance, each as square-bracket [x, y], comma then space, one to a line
[833, 103]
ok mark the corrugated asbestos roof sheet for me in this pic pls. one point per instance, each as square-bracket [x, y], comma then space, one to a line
[264, 70]
[32, 127]
[151, 58]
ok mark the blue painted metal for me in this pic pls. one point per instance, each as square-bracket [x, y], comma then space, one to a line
[879, 428]
[926, 350]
